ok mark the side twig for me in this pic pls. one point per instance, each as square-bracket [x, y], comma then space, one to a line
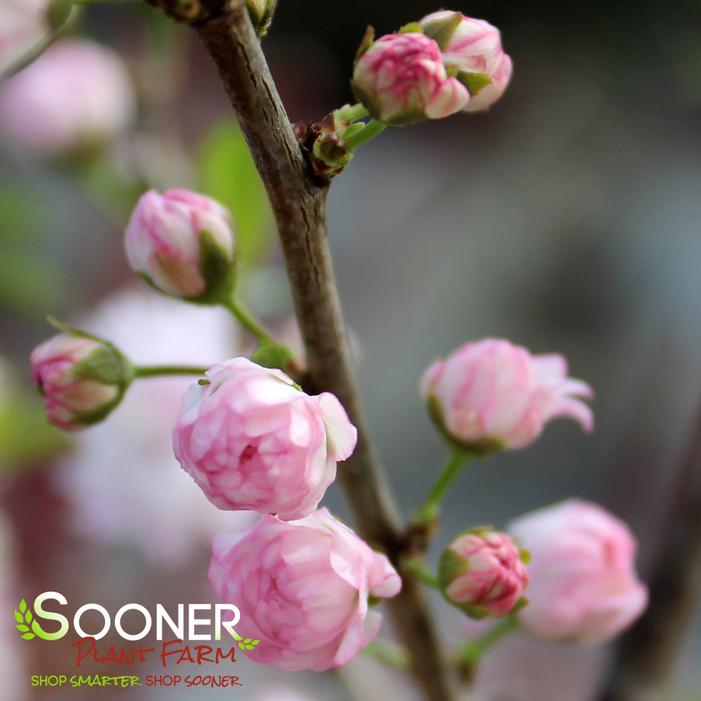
[299, 205]
[647, 653]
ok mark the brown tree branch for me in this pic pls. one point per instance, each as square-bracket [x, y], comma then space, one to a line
[648, 651]
[299, 204]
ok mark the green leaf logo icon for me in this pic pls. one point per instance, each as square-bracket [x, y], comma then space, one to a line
[245, 643]
[24, 618]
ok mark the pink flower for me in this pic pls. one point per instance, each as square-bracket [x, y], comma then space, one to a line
[81, 379]
[482, 573]
[171, 236]
[492, 394]
[23, 23]
[475, 50]
[302, 588]
[583, 581]
[401, 79]
[252, 440]
[76, 92]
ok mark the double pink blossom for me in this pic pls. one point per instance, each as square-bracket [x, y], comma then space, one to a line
[302, 588]
[475, 50]
[76, 93]
[253, 440]
[583, 581]
[74, 395]
[171, 236]
[492, 394]
[482, 572]
[401, 79]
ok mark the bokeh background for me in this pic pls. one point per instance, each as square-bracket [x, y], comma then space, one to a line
[566, 218]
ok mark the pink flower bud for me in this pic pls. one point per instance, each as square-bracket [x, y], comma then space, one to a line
[23, 23]
[474, 48]
[482, 573]
[302, 588]
[401, 79]
[81, 379]
[252, 440]
[182, 243]
[75, 93]
[493, 395]
[583, 581]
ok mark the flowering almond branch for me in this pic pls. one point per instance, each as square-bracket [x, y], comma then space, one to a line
[299, 205]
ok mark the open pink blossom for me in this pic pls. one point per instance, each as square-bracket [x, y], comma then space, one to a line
[482, 572]
[65, 373]
[584, 585]
[171, 236]
[492, 394]
[253, 440]
[77, 92]
[401, 79]
[302, 588]
[475, 50]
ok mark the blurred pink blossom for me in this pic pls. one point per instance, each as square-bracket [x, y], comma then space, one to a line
[302, 588]
[475, 47]
[121, 480]
[401, 79]
[23, 23]
[163, 240]
[492, 394]
[77, 92]
[583, 581]
[481, 571]
[252, 440]
[12, 657]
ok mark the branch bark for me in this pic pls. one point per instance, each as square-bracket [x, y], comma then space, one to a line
[299, 205]
[647, 653]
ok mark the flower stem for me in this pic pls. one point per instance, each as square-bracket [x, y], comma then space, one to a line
[432, 506]
[372, 129]
[472, 651]
[248, 321]
[143, 371]
[416, 567]
[388, 653]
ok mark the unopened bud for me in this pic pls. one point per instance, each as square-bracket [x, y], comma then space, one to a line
[401, 79]
[482, 572]
[81, 378]
[262, 13]
[182, 243]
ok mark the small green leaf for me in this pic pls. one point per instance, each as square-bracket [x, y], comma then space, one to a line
[255, 642]
[23, 606]
[28, 636]
[246, 641]
[29, 617]
[19, 617]
[22, 628]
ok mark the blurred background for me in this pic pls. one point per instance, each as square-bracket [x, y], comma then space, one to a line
[567, 218]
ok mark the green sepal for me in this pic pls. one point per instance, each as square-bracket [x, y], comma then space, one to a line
[478, 450]
[106, 365]
[366, 42]
[474, 82]
[442, 30]
[411, 28]
[218, 268]
[450, 566]
[272, 356]
[403, 120]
